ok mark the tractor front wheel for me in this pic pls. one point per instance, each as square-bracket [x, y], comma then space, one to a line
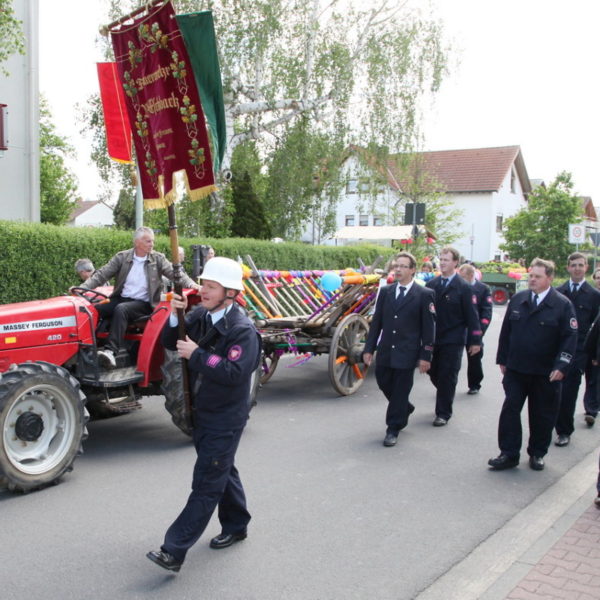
[42, 424]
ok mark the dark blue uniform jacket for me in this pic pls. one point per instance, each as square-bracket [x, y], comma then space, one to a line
[220, 369]
[457, 320]
[538, 340]
[408, 327]
[484, 304]
[587, 303]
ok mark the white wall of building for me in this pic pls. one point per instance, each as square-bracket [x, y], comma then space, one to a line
[98, 215]
[19, 165]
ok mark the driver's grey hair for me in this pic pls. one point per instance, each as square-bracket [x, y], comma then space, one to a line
[140, 231]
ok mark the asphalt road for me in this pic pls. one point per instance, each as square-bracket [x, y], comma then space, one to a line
[335, 514]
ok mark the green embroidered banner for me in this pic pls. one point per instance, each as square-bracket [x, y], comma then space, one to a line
[198, 30]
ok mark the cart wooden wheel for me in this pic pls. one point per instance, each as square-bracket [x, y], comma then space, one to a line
[269, 364]
[346, 369]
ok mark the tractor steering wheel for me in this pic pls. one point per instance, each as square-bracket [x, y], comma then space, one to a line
[93, 296]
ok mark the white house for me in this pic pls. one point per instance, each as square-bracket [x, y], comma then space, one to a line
[486, 184]
[19, 143]
[91, 213]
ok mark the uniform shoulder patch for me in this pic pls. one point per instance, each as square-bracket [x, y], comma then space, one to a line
[235, 353]
[573, 323]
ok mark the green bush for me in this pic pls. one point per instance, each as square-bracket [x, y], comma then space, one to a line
[37, 261]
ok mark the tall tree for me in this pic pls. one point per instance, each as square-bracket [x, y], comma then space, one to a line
[541, 228]
[58, 185]
[249, 219]
[12, 39]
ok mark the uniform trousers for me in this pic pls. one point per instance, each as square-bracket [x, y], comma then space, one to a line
[121, 312]
[591, 398]
[543, 402]
[443, 373]
[474, 369]
[216, 482]
[396, 385]
[565, 424]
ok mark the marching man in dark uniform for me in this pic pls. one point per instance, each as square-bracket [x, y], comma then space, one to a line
[405, 316]
[537, 343]
[586, 301]
[223, 350]
[484, 310]
[457, 324]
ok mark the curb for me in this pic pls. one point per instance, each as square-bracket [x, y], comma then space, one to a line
[497, 565]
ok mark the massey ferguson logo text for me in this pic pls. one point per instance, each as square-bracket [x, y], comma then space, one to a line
[37, 325]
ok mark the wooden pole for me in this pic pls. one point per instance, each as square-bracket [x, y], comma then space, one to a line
[178, 289]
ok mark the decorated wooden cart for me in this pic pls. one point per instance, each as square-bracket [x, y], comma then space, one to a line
[309, 313]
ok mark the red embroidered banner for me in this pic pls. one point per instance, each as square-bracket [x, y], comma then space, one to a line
[164, 105]
[116, 122]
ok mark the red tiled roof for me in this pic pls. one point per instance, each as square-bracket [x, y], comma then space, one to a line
[472, 170]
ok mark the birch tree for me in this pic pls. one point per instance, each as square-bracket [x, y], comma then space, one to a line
[354, 71]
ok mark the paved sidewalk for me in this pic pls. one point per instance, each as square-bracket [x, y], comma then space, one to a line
[570, 570]
[550, 550]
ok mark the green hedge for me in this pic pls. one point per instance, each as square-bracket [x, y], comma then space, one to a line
[37, 261]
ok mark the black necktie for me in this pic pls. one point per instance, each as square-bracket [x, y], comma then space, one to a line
[444, 282]
[535, 299]
[574, 288]
[401, 294]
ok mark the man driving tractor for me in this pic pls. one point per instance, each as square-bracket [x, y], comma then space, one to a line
[138, 276]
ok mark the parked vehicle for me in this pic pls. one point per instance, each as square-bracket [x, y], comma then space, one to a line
[51, 381]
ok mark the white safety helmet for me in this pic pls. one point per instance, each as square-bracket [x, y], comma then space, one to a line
[224, 271]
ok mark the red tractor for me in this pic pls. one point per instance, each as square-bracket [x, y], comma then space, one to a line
[50, 377]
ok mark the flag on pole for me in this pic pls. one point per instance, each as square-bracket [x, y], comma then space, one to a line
[163, 104]
[116, 122]
[198, 30]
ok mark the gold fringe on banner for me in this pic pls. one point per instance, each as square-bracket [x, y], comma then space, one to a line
[171, 197]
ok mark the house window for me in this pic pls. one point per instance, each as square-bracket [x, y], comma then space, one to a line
[352, 186]
[365, 186]
[499, 220]
[349, 220]
[377, 221]
[363, 220]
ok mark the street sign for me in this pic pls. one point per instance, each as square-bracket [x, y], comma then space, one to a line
[595, 239]
[410, 218]
[576, 233]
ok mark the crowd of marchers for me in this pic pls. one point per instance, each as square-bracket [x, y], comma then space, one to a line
[548, 342]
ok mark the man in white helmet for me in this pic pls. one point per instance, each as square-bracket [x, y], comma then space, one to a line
[223, 350]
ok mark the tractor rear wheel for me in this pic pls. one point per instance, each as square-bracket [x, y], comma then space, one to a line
[42, 424]
[172, 388]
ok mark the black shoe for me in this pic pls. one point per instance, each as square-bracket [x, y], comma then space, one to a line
[390, 439]
[536, 463]
[562, 440]
[411, 408]
[224, 540]
[597, 501]
[165, 560]
[473, 391]
[106, 359]
[502, 462]
[590, 420]
[440, 422]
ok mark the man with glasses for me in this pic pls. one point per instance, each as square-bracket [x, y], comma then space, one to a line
[405, 318]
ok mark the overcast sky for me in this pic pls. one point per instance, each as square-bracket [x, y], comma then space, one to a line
[528, 76]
